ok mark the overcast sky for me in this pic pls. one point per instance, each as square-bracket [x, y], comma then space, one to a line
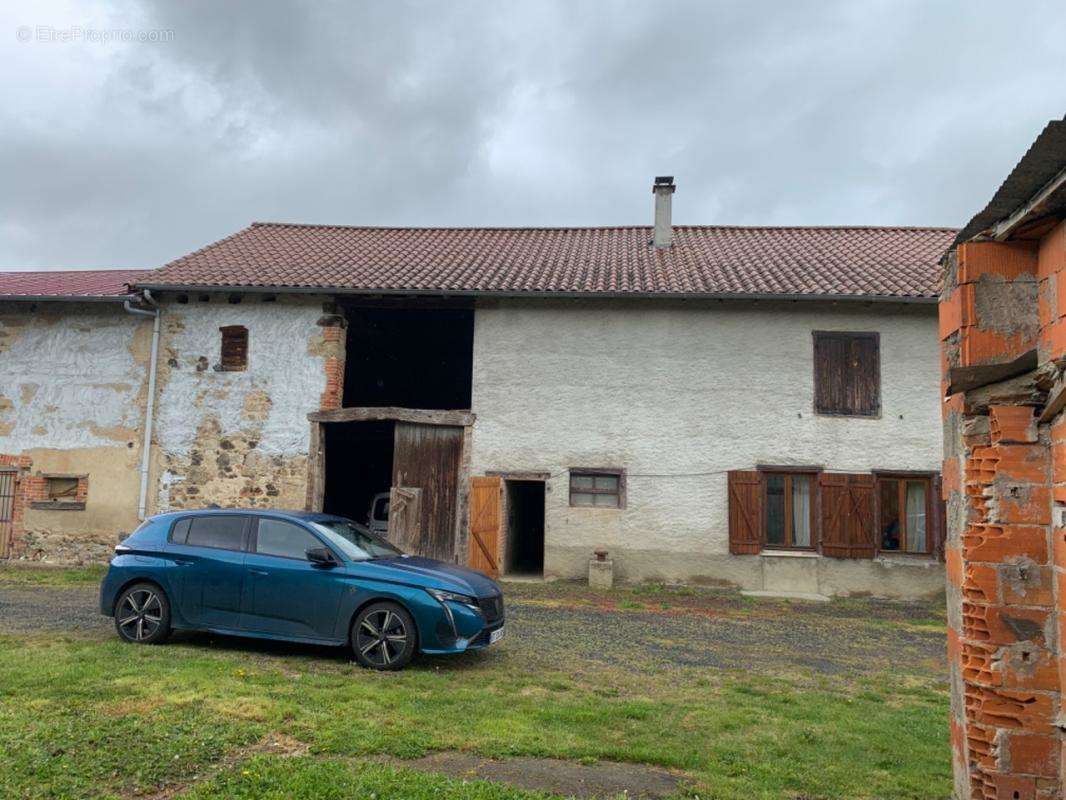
[132, 153]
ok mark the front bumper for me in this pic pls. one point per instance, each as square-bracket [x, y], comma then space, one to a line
[460, 627]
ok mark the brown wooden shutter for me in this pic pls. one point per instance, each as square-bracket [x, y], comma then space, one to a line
[940, 517]
[745, 512]
[849, 529]
[847, 373]
[234, 355]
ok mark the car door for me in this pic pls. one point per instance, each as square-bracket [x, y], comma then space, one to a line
[209, 550]
[285, 593]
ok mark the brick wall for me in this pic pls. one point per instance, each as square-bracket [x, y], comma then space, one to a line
[333, 347]
[1004, 480]
[23, 465]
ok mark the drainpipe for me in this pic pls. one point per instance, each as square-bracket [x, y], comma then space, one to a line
[149, 415]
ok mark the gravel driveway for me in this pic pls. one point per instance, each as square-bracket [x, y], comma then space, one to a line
[766, 636]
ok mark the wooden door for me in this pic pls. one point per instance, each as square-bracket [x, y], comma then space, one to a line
[428, 457]
[485, 525]
[7, 510]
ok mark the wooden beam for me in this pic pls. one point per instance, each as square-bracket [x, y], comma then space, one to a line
[1056, 401]
[965, 379]
[458, 419]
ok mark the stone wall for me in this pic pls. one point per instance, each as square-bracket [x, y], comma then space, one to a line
[241, 438]
[72, 394]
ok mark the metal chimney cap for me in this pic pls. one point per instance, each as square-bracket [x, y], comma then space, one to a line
[664, 182]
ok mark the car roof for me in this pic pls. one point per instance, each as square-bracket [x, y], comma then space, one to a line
[300, 516]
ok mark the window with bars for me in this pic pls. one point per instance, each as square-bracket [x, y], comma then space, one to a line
[597, 488]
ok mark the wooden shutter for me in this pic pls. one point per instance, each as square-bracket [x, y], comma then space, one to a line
[234, 354]
[485, 524]
[745, 512]
[849, 529]
[847, 373]
[939, 516]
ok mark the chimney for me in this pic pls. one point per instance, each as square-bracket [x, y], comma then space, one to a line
[664, 229]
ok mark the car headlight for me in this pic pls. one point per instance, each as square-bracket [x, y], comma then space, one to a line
[455, 597]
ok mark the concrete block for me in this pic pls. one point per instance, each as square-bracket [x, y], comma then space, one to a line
[601, 574]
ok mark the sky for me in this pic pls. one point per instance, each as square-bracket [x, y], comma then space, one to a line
[132, 133]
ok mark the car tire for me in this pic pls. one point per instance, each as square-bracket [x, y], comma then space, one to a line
[384, 636]
[142, 614]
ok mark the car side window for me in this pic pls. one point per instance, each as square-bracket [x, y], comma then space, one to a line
[180, 531]
[224, 532]
[278, 538]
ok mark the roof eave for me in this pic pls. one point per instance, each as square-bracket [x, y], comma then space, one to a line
[545, 295]
[68, 298]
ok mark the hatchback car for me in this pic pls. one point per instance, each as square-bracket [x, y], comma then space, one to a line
[296, 576]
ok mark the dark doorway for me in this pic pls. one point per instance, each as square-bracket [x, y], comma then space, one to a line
[411, 358]
[524, 553]
[358, 466]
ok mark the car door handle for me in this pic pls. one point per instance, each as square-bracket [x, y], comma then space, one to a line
[181, 562]
[255, 571]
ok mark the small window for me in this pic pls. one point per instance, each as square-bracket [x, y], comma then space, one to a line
[847, 374]
[62, 489]
[789, 510]
[601, 488]
[180, 532]
[224, 532]
[278, 538]
[903, 505]
[234, 348]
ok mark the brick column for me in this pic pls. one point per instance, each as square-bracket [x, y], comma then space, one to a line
[1004, 557]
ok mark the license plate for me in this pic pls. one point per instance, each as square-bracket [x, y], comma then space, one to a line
[495, 636]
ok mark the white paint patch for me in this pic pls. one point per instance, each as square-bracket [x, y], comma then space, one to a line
[677, 396]
[279, 365]
[68, 375]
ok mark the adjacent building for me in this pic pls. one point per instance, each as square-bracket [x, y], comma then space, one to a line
[755, 407]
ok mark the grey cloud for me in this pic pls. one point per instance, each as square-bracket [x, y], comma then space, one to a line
[507, 113]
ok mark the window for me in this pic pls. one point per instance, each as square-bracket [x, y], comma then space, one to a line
[847, 374]
[278, 538]
[62, 489]
[223, 531]
[598, 488]
[789, 510]
[234, 348]
[903, 505]
[60, 492]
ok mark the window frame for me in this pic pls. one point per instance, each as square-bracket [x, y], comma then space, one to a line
[875, 337]
[232, 330]
[601, 472]
[245, 533]
[931, 522]
[253, 540]
[788, 473]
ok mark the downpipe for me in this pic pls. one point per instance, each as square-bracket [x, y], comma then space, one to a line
[149, 412]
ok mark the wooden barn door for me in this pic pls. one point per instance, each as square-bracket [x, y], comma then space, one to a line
[485, 525]
[7, 510]
[428, 457]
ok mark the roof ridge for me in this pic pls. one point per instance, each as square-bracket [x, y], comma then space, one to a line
[334, 226]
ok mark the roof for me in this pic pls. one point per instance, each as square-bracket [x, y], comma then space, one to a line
[93, 284]
[704, 261]
[1044, 160]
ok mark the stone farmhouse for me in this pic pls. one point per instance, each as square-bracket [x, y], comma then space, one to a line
[746, 406]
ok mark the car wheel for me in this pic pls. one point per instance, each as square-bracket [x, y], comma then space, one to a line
[142, 614]
[384, 636]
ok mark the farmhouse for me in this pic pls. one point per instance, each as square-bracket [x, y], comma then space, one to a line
[756, 407]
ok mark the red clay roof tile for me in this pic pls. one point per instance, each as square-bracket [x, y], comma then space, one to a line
[68, 283]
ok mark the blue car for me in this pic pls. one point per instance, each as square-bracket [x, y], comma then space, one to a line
[299, 577]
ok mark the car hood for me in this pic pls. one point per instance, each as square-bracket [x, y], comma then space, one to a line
[429, 573]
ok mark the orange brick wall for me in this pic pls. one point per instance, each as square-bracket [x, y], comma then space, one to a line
[1004, 476]
[333, 342]
[23, 465]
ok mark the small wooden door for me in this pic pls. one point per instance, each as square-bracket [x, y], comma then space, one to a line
[7, 510]
[428, 457]
[485, 525]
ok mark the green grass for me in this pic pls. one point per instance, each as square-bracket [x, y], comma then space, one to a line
[81, 718]
[51, 576]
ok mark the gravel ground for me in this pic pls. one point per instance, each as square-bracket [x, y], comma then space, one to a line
[859, 637]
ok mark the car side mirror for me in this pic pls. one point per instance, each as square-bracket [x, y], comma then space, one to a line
[320, 557]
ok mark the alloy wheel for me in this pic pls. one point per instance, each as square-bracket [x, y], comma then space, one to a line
[140, 614]
[381, 637]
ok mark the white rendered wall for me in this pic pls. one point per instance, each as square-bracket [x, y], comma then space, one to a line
[677, 395]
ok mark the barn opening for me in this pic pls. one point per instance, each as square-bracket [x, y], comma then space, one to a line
[409, 357]
[359, 458]
[524, 550]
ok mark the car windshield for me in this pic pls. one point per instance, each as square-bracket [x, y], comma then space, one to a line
[354, 540]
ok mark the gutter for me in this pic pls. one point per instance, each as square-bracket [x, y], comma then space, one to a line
[512, 295]
[149, 412]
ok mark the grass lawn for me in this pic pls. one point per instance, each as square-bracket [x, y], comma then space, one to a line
[86, 716]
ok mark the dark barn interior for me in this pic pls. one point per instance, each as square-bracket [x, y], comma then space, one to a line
[524, 553]
[409, 357]
[358, 465]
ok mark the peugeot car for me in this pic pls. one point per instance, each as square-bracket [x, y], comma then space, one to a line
[296, 576]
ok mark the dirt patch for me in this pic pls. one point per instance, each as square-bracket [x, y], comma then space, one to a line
[603, 779]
